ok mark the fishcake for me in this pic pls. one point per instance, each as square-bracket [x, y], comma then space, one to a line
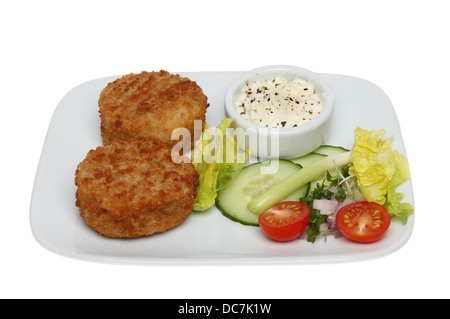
[150, 105]
[133, 188]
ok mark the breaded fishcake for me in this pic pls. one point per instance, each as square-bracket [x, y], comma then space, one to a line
[150, 105]
[133, 188]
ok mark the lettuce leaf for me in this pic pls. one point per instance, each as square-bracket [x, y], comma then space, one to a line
[216, 158]
[207, 172]
[393, 199]
[231, 162]
[380, 170]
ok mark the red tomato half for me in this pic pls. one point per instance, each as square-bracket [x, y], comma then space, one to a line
[285, 221]
[363, 222]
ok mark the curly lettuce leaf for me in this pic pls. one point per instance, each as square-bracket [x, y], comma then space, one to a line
[379, 170]
[207, 169]
[393, 199]
[229, 162]
[372, 164]
[217, 162]
[206, 195]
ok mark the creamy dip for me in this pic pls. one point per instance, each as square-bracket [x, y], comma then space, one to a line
[277, 103]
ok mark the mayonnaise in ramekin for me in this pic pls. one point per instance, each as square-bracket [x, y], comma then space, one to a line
[278, 103]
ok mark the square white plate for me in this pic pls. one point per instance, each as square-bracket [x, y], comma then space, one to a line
[206, 237]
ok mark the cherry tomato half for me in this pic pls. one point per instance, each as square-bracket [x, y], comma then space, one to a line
[285, 221]
[363, 222]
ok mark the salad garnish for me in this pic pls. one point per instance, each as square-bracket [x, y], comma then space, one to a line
[347, 192]
[380, 170]
[286, 187]
[331, 189]
[217, 161]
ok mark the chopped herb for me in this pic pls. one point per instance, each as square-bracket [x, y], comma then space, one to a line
[322, 191]
[315, 219]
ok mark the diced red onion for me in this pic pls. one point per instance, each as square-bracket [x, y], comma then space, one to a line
[331, 221]
[323, 227]
[326, 206]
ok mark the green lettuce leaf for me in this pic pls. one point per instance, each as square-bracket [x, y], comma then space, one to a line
[207, 169]
[217, 160]
[229, 162]
[379, 171]
[393, 199]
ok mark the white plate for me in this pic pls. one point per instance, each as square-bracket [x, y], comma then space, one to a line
[206, 237]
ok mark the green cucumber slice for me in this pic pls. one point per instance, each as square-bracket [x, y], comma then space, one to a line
[307, 159]
[330, 150]
[233, 199]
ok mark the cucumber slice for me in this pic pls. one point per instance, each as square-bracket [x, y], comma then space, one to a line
[307, 159]
[330, 150]
[233, 199]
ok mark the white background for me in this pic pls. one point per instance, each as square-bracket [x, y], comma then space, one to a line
[49, 47]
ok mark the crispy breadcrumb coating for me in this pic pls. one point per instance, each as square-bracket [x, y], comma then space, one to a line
[133, 188]
[150, 105]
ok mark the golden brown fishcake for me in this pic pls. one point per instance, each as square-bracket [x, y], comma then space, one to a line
[133, 188]
[150, 105]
